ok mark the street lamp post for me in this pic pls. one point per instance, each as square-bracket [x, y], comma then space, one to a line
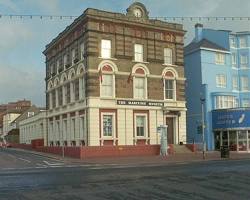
[203, 127]
[61, 131]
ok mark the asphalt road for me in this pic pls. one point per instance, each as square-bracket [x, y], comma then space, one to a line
[55, 179]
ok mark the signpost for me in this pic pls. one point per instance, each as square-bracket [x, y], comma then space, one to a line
[203, 127]
[164, 139]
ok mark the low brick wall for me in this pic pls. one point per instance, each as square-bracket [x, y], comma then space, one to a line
[74, 152]
[22, 146]
[97, 151]
[192, 147]
[170, 149]
[117, 151]
[37, 143]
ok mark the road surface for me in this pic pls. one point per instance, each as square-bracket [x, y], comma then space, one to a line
[26, 176]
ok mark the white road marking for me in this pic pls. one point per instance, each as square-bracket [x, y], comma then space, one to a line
[182, 163]
[10, 155]
[24, 160]
[52, 164]
[41, 165]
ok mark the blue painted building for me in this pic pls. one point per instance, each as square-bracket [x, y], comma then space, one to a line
[218, 71]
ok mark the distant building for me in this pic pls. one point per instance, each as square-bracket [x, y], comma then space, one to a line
[218, 72]
[18, 106]
[8, 118]
[8, 113]
[112, 79]
[34, 128]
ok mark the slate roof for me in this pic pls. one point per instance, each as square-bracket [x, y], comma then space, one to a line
[203, 43]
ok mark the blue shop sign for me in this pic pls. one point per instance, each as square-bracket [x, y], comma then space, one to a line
[226, 119]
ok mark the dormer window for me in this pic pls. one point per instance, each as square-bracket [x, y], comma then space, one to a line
[30, 114]
[138, 12]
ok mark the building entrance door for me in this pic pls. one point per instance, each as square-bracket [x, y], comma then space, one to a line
[170, 124]
[217, 140]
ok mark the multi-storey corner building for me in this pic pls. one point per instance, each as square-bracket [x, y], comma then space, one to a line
[218, 71]
[112, 78]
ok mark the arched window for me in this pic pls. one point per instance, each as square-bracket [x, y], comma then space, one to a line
[80, 94]
[50, 85]
[56, 82]
[169, 85]
[64, 88]
[107, 78]
[57, 92]
[140, 82]
[71, 87]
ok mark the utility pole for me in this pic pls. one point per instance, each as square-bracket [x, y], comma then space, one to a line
[203, 127]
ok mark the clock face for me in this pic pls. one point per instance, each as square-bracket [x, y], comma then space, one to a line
[138, 12]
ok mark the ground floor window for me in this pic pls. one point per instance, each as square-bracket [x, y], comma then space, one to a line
[140, 126]
[82, 127]
[82, 143]
[73, 143]
[235, 140]
[64, 128]
[242, 141]
[107, 125]
[51, 143]
[73, 127]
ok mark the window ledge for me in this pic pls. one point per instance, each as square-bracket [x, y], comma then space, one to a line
[170, 100]
[171, 65]
[108, 138]
[107, 98]
[140, 99]
[134, 61]
[221, 87]
[244, 68]
[81, 100]
[245, 91]
[57, 108]
[107, 58]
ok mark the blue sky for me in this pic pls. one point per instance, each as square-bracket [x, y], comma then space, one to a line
[22, 68]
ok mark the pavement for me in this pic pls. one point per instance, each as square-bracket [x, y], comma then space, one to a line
[150, 160]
